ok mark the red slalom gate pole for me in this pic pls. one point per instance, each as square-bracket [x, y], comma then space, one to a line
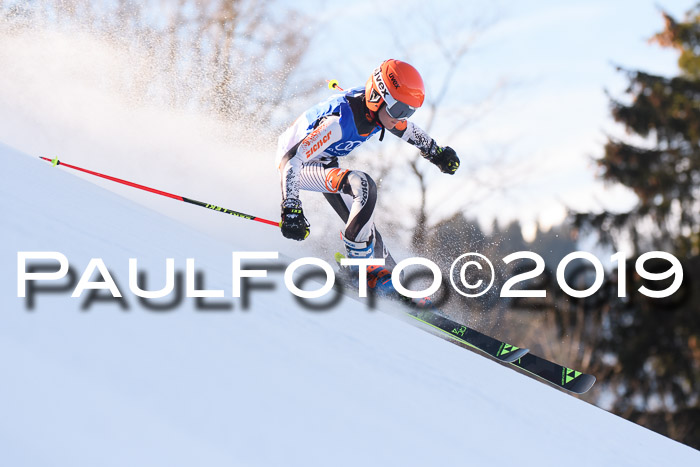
[56, 162]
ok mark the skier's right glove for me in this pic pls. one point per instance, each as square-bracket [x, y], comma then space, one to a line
[445, 158]
[294, 225]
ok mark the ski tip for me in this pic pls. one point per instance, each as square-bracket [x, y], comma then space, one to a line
[581, 384]
[513, 356]
[338, 257]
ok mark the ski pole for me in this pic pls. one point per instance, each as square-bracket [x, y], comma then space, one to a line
[333, 84]
[56, 162]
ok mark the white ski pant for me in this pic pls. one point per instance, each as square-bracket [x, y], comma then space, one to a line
[353, 196]
[352, 189]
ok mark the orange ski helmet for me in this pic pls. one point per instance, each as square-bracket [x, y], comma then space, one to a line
[399, 85]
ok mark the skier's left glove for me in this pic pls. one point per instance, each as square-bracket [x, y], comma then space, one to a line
[445, 158]
[294, 225]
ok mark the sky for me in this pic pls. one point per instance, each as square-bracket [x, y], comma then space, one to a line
[547, 120]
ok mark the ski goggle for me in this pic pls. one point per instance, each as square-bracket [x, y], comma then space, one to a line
[399, 110]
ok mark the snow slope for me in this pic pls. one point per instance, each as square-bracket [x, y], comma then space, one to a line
[272, 385]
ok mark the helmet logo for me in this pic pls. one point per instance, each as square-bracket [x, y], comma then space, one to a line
[379, 81]
[374, 97]
[393, 79]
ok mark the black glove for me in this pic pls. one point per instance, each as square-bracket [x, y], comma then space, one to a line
[445, 158]
[294, 225]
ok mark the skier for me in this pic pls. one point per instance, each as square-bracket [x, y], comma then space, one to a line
[308, 152]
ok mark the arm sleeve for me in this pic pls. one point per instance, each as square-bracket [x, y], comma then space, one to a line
[311, 147]
[414, 135]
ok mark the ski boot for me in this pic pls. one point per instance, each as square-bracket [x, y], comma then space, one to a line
[378, 277]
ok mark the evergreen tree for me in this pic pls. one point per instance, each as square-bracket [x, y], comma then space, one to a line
[654, 344]
[664, 169]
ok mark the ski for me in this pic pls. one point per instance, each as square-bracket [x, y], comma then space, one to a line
[424, 312]
[558, 375]
[496, 348]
